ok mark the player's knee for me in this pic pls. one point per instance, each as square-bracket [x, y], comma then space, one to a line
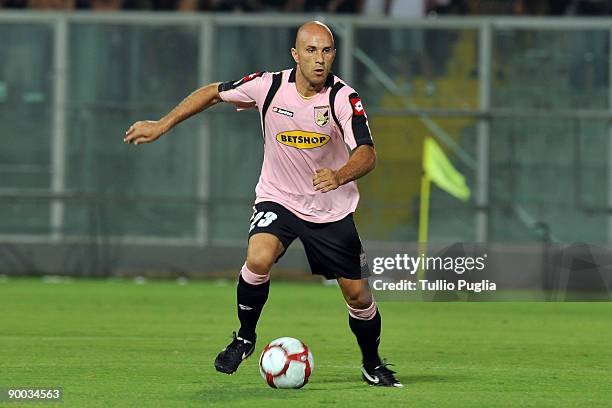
[359, 300]
[259, 263]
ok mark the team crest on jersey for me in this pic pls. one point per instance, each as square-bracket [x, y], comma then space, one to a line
[321, 115]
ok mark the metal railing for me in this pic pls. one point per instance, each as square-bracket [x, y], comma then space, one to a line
[350, 55]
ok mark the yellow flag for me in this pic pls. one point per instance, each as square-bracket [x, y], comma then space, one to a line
[441, 171]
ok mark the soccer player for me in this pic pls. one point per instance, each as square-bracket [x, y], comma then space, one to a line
[306, 189]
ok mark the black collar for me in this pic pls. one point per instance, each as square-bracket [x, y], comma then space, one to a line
[329, 81]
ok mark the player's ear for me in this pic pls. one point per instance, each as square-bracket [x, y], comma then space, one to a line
[294, 54]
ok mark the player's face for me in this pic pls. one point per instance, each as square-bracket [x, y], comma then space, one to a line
[314, 55]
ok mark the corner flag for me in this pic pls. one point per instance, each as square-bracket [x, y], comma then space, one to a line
[442, 172]
[436, 168]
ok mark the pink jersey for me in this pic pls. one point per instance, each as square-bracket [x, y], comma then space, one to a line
[302, 136]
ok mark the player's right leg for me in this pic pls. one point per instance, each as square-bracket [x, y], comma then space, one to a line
[252, 293]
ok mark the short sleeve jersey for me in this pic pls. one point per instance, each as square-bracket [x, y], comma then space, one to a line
[301, 136]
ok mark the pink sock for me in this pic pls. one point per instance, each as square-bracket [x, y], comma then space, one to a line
[363, 314]
[253, 278]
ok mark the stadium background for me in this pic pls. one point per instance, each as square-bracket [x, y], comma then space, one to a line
[520, 104]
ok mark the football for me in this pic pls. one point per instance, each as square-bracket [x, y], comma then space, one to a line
[286, 363]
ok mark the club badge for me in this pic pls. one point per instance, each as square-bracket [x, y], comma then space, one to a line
[321, 115]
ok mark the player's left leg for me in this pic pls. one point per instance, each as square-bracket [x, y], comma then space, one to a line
[334, 250]
[365, 323]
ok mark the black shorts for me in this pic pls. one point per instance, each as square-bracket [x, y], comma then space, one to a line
[333, 249]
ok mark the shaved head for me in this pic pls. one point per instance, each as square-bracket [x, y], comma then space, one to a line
[314, 55]
[310, 29]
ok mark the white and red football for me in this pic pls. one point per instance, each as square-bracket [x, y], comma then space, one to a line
[286, 363]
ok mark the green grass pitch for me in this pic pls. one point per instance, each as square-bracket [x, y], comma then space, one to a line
[116, 343]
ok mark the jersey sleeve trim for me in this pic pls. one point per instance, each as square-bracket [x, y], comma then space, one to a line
[359, 121]
[229, 85]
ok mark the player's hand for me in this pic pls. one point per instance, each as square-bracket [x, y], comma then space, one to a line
[143, 132]
[325, 180]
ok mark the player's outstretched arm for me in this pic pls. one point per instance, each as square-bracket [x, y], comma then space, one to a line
[361, 162]
[150, 130]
